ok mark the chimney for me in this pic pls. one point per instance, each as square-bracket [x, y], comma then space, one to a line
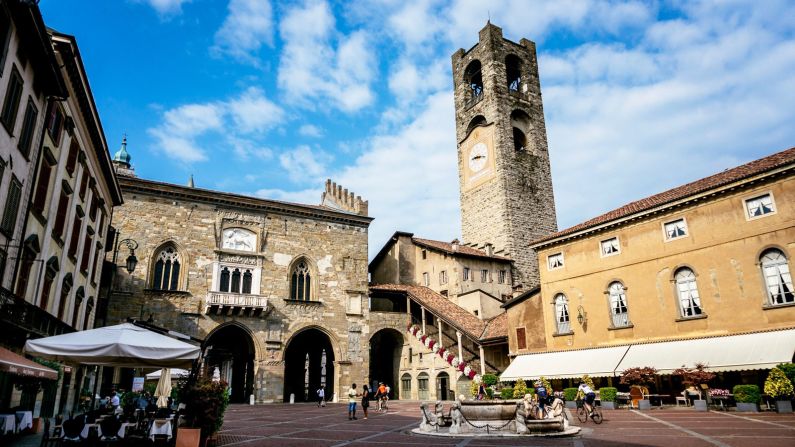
[455, 244]
[489, 249]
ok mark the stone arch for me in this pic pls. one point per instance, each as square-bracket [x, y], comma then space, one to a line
[309, 362]
[406, 379]
[443, 386]
[473, 79]
[477, 121]
[522, 127]
[513, 72]
[232, 348]
[386, 350]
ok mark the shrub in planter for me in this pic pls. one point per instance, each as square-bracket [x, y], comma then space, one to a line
[607, 395]
[489, 379]
[779, 387]
[519, 389]
[747, 397]
[789, 370]
[506, 393]
[569, 395]
[205, 403]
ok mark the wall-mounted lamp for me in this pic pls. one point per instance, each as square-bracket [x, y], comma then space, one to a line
[581, 315]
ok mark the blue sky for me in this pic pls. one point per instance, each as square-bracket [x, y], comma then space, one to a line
[271, 98]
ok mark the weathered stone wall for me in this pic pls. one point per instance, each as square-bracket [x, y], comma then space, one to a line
[517, 205]
[335, 244]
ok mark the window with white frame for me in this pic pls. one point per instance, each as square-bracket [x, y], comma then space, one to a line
[618, 304]
[675, 229]
[484, 275]
[610, 247]
[759, 206]
[778, 279]
[562, 322]
[687, 291]
[466, 274]
[426, 279]
[235, 279]
[443, 277]
[555, 261]
[501, 276]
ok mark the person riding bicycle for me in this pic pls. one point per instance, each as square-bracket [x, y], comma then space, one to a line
[542, 396]
[588, 395]
[381, 394]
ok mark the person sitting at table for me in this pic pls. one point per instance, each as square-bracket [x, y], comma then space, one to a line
[691, 393]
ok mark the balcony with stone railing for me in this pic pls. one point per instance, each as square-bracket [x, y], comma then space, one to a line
[226, 303]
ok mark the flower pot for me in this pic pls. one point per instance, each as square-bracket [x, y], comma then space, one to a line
[188, 437]
[700, 404]
[571, 404]
[609, 405]
[644, 404]
[784, 406]
[747, 407]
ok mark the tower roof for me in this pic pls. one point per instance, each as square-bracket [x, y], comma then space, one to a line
[122, 156]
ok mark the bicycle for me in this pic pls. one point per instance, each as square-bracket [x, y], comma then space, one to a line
[582, 412]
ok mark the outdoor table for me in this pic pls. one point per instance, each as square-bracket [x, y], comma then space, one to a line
[622, 400]
[8, 422]
[160, 427]
[24, 420]
[656, 398]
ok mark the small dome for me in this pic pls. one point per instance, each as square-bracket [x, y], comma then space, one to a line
[122, 156]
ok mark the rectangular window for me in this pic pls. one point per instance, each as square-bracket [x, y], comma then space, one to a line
[405, 385]
[86, 253]
[424, 254]
[75, 236]
[466, 273]
[5, 37]
[426, 279]
[484, 275]
[28, 126]
[555, 261]
[11, 104]
[97, 261]
[675, 229]
[11, 207]
[84, 184]
[521, 338]
[610, 247]
[760, 206]
[54, 124]
[71, 158]
[60, 216]
[501, 276]
[42, 188]
[443, 277]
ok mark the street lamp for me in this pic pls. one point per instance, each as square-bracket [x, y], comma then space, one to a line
[581, 316]
[132, 261]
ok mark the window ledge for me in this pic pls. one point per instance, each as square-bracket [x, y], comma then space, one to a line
[166, 292]
[777, 306]
[40, 217]
[618, 328]
[314, 303]
[562, 334]
[57, 239]
[697, 317]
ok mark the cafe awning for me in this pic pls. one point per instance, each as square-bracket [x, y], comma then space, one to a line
[596, 362]
[14, 363]
[760, 350]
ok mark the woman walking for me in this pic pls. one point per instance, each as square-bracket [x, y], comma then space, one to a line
[365, 399]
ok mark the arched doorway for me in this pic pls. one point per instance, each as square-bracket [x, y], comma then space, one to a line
[231, 350]
[443, 386]
[386, 347]
[308, 364]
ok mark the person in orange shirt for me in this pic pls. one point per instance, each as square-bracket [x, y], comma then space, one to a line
[381, 394]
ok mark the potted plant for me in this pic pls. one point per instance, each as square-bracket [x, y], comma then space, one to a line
[698, 376]
[205, 403]
[569, 395]
[779, 387]
[789, 370]
[639, 378]
[506, 393]
[607, 396]
[747, 397]
[519, 389]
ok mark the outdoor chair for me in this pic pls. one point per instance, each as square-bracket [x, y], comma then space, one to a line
[682, 399]
[71, 430]
[110, 428]
[161, 440]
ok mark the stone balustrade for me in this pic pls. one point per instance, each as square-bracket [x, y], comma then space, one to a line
[220, 303]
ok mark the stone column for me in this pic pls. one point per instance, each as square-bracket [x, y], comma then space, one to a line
[423, 320]
[441, 337]
[460, 348]
[482, 361]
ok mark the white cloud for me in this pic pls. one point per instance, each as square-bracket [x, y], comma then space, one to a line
[167, 8]
[303, 164]
[247, 27]
[310, 130]
[253, 112]
[311, 68]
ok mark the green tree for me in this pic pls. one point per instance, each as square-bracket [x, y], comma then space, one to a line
[778, 385]
[519, 389]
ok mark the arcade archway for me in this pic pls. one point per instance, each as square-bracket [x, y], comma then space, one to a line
[231, 350]
[386, 347]
[308, 364]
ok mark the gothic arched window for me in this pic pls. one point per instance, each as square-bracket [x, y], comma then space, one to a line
[513, 72]
[301, 282]
[618, 304]
[562, 323]
[687, 293]
[778, 279]
[166, 269]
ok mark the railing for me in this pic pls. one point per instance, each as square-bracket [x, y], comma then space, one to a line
[28, 317]
[235, 301]
[620, 320]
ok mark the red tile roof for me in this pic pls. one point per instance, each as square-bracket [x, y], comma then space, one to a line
[497, 327]
[726, 177]
[449, 312]
[461, 250]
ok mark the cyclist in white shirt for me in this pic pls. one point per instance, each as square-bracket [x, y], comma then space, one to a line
[588, 395]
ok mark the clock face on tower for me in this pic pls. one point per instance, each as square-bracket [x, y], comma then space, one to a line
[478, 156]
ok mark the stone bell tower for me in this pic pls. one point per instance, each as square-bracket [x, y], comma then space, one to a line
[503, 162]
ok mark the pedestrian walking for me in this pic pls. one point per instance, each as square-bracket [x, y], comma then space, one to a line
[365, 399]
[352, 394]
[321, 396]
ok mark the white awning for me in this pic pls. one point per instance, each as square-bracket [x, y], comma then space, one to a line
[596, 362]
[762, 350]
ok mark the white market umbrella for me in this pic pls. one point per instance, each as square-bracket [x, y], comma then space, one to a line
[125, 345]
[163, 390]
[176, 373]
